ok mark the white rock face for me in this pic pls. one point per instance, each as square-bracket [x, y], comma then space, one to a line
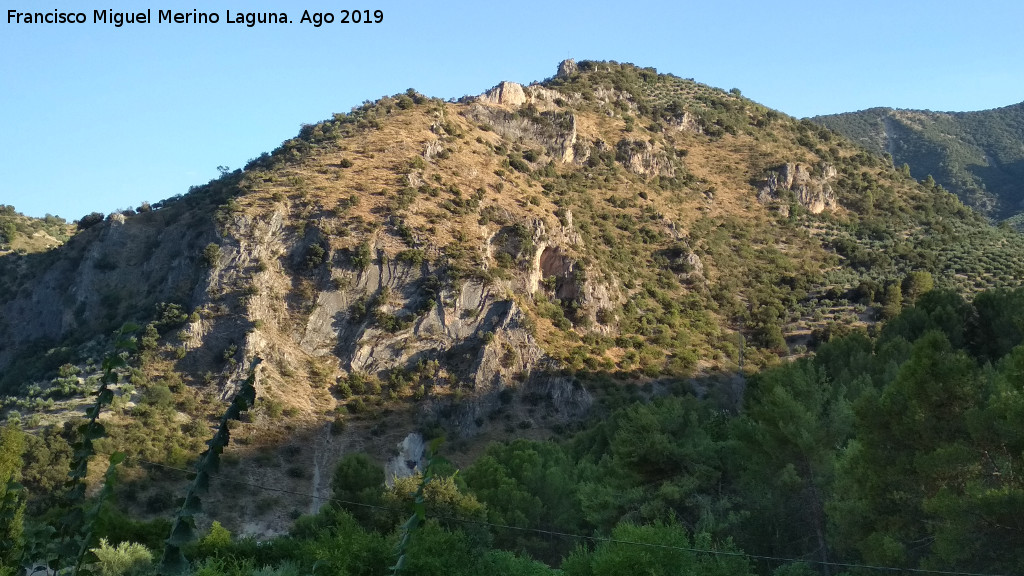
[408, 461]
[641, 158]
[812, 192]
[567, 68]
[505, 94]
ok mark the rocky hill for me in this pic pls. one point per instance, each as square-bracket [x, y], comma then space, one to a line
[977, 155]
[499, 266]
[24, 234]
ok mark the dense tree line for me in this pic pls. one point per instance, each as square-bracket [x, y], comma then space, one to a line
[900, 450]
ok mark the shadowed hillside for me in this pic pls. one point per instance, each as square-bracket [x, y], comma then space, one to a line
[979, 156]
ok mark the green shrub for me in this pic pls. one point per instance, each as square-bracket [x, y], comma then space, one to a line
[314, 255]
[412, 257]
[338, 425]
[90, 220]
[361, 256]
[125, 559]
[211, 254]
[517, 164]
[216, 540]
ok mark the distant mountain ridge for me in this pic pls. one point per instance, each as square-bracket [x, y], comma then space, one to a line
[979, 156]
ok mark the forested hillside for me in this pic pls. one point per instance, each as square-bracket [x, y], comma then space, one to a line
[896, 451]
[979, 156]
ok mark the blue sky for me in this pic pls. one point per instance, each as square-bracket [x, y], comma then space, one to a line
[98, 118]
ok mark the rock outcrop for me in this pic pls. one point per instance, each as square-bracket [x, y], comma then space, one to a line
[567, 68]
[640, 157]
[115, 271]
[554, 130]
[512, 94]
[797, 182]
[409, 459]
[505, 94]
[545, 97]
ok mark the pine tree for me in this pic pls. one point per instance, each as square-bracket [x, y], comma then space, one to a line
[12, 499]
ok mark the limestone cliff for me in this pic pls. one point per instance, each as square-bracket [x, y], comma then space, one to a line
[506, 94]
[810, 189]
